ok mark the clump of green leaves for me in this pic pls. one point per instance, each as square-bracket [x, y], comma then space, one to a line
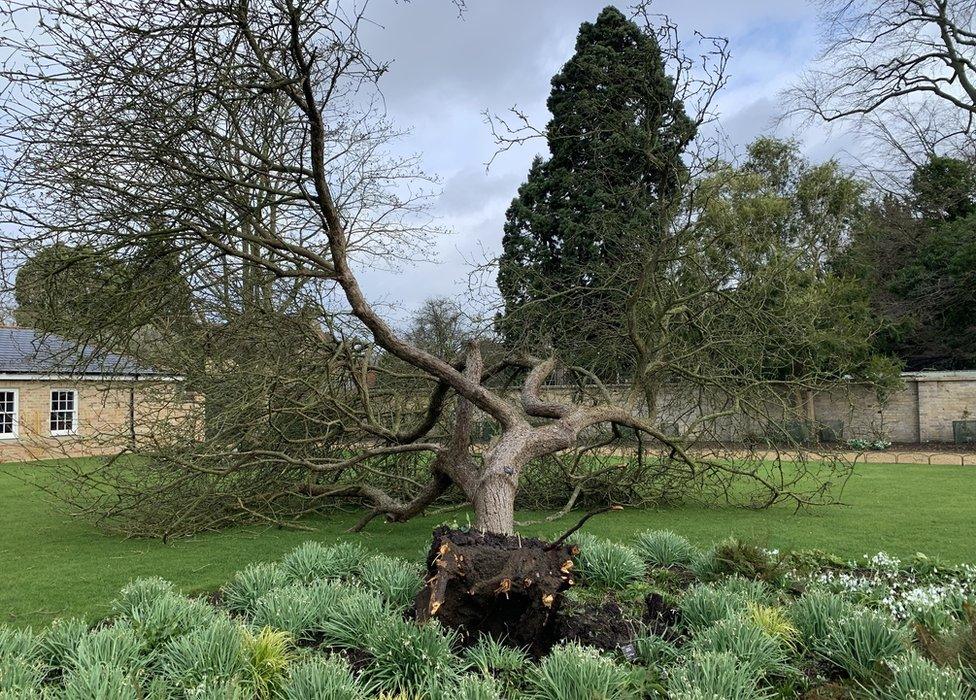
[100, 680]
[702, 606]
[466, 687]
[862, 643]
[705, 604]
[169, 615]
[220, 690]
[140, 593]
[732, 557]
[299, 610]
[492, 659]
[354, 618]
[289, 608]
[861, 444]
[472, 688]
[816, 613]
[810, 560]
[19, 644]
[761, 653]
[608, 564]
[409, 658]
[774, 621]
[61, 639]
[915, 678]
[709, 675]
[396, 580]
[654, 651]
[21, 665]
[20, 677]
[214, 653]
[747, 590]
[116, 646]
[268, 653]
[250, 584]
[573, 671]
[663, 548]
[312, 561]
[321, 677]
[705, 566]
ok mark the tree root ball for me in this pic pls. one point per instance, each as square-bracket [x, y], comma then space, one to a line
[504, 585]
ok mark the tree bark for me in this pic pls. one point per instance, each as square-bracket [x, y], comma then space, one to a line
[494, 504]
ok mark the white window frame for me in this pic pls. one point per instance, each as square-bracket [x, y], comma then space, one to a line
[16, 423]
[74, 412]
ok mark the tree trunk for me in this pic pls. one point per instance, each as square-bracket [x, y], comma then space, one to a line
[494, 503]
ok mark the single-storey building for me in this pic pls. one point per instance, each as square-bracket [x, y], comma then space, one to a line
[59, 399]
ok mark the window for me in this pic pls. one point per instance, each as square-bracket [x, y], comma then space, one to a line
[8, 413]
[64, 412]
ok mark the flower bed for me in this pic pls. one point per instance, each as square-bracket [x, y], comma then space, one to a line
[658, 619]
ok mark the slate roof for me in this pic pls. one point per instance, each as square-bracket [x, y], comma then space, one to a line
[29, 352]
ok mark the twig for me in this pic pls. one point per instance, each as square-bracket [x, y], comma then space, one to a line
[555, 543]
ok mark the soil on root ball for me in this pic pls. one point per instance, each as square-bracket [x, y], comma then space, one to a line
[504, 585]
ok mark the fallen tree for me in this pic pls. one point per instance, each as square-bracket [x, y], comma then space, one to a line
[245, 139]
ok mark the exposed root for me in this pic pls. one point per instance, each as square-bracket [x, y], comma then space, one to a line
[504, 585]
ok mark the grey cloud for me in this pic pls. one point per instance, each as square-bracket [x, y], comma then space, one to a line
[473, 188]
[754, 119]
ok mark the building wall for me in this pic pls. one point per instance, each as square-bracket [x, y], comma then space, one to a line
[104, 425]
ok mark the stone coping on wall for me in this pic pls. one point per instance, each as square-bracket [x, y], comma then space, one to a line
[895, 457]
[877, 457]
[917, 457]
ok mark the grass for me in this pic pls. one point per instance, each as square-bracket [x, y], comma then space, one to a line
[54, 566]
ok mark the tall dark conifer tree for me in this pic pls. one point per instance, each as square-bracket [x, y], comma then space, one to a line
[582, 218]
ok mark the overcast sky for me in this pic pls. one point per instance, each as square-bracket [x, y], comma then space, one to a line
[446, 71]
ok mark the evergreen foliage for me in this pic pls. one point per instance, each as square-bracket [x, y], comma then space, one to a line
[615, 140]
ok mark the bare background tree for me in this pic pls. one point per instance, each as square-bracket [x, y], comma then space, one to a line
[902, 74]
[238, 148]
[900, 71]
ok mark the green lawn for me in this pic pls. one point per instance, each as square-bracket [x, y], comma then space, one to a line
[51, 565]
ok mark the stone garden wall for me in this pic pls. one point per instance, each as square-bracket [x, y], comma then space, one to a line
[921, 411]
